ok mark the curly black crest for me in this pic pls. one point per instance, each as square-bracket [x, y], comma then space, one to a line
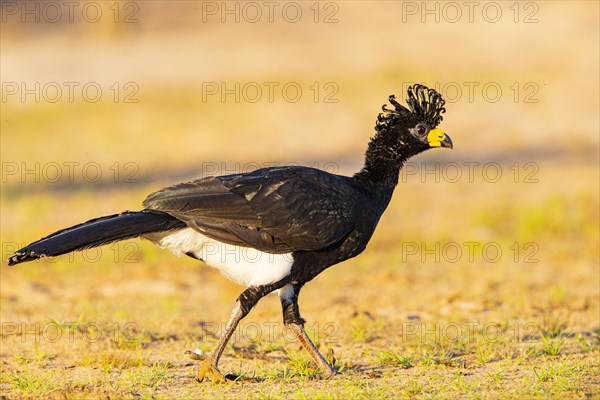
[423, 102]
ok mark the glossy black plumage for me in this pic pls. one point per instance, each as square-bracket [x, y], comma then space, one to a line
[96, 232]
[276, 210]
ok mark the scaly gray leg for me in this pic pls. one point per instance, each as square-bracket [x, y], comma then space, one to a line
[294, 322]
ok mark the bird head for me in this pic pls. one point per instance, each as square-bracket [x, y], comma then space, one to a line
[413, 129]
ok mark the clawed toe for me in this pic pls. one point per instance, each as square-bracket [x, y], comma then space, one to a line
[195, 356]
[328, 374]
[207, 366]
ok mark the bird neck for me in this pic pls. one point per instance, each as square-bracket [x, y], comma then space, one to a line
[384, 158]
[379, 175]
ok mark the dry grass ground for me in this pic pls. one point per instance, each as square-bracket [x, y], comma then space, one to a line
[478, 285]
[401, 322]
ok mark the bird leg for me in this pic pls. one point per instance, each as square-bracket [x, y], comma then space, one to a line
[209, 362]
[298, 330]
[294, 322]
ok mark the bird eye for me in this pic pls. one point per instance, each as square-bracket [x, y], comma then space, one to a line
[421, 129]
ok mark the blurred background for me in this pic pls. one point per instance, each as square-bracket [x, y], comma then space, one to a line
[104, 102]
[199, 81]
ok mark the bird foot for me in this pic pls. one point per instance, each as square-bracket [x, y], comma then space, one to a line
[327, 373]
[207, 366]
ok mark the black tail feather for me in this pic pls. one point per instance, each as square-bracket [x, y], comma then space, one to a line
[97, 232]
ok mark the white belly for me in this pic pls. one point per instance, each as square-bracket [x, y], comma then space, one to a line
[244, 265]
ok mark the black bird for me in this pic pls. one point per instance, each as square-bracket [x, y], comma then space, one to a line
[289, 223]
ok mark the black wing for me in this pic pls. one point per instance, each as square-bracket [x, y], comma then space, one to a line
[276, 210]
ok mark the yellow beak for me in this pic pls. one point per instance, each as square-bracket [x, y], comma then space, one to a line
[437, 138]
